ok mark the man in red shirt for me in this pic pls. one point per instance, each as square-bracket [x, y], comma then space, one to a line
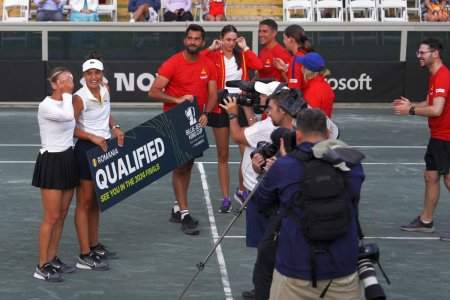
[182, 77]
[272, 49]
[317, 91]
[436, 108]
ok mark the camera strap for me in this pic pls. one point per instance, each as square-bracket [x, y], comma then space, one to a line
[325, 289]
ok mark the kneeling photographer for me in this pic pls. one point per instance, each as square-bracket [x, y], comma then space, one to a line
[308, 265]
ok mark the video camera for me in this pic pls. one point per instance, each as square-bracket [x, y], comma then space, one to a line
[249, 98]
[368, 255]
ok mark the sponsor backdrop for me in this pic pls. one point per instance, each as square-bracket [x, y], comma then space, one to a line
[130, 81]
[22, 81]
[150, 151]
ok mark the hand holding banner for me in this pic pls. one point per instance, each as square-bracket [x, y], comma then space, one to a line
[150, 151]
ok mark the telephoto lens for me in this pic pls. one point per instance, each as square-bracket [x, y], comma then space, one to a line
[372, 289]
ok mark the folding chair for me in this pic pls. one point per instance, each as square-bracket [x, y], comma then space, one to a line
[336, 8]
[307, 7]
[398, 7]
[15, 10]
[362, 10]
[108, 9]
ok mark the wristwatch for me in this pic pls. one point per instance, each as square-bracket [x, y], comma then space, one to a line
[206, 113]
[115, 126]
[231, 116]
[412, 111]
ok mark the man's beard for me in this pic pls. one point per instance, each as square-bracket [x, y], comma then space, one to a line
[193, 50]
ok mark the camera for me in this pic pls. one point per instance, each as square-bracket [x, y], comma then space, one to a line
[248, 99]
[368, 255]
[267, 150]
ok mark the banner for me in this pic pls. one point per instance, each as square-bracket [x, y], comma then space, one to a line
[366, 82]
[150, 151]
[129, 81]
[23, 81]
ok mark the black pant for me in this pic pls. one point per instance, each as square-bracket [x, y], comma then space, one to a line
[265, 260]
[170, 17]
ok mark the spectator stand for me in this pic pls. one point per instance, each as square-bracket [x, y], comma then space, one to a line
[106, 8]
[254, 10]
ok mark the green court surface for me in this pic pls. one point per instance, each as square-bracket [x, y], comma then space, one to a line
[157, 259]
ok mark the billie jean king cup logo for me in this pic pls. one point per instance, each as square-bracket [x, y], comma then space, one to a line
[190, 115]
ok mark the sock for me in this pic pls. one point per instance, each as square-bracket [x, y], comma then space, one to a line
[425, 222]
[93, 247]
[226, 199]
[176, 208]
[84, 255]
[184, 213]
[132, 21]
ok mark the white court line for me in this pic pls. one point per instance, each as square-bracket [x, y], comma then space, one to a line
[238, 162]
[17, 161]
[203, 162]
[212, 222]
[366, 237]
[236, 146]
[20, 145]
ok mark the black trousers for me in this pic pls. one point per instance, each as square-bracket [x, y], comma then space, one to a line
[170, 17]
[265, 259]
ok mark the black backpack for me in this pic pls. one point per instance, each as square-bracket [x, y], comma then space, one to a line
[325, 213]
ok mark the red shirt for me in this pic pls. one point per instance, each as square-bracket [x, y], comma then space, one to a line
[296, 79]
[266, 56]
[318, 94]
[439, 86]
[216, 8]
[188, 78]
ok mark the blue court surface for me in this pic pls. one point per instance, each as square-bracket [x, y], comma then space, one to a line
[157, 259]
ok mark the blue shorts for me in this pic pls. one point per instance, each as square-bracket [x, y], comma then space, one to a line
[81, 148]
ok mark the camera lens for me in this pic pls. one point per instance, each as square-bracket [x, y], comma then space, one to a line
[372, 289]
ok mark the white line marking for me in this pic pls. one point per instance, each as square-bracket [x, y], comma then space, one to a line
[208, 162]
[402, 237]
[391, 147]
[20, 145]
[351, 146]
[236, 146]
[388, 163]
[212, 222]
[366, 237]
[416, 163]
[17, 161]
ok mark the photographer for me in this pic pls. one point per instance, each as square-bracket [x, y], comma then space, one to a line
[299, 261]
[261, 131]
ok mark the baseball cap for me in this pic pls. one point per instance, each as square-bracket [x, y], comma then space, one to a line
[266, 88]
[92, 64]
[312, 61]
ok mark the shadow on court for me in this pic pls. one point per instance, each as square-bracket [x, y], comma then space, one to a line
[157, 259]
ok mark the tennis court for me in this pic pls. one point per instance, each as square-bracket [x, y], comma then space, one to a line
[157, 259]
